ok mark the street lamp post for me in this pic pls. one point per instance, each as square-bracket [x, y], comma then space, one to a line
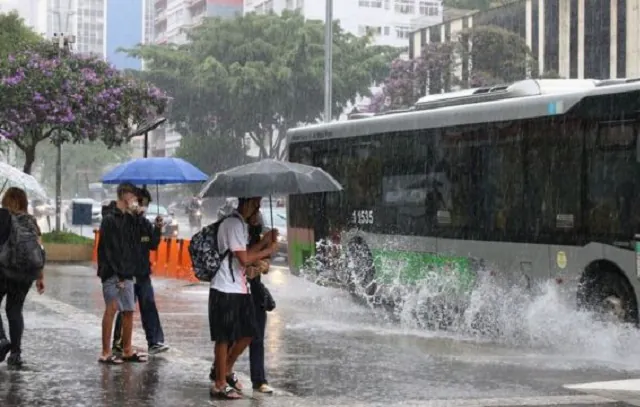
[63, 43]
[328, 61]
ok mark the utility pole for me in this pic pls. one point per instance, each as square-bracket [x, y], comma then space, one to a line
[328, 61]
[64, 43]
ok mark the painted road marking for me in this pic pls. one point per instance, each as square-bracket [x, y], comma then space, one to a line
[494, 402]
[620, 385]
[627, 391]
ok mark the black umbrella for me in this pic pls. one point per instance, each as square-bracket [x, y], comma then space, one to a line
[270, 177]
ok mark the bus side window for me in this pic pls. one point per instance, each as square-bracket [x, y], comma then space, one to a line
[612, 181]
[553, 179]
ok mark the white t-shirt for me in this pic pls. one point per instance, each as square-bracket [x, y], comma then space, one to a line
[233, 235]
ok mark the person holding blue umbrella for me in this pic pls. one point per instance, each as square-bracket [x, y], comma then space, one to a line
[150, 236]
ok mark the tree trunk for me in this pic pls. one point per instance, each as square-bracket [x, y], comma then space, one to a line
[29, 158]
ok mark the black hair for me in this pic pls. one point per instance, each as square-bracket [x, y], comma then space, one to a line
[143, 193]
[126, 187]
[243, 201]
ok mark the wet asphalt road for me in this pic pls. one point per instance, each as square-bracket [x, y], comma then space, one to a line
[322, 350]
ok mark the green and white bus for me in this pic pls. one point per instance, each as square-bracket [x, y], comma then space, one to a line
[539, 178]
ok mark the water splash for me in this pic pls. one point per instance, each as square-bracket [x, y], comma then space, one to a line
[537, 316]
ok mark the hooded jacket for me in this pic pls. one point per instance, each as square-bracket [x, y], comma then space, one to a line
[145, 237]
[149, 238]
[118, 247]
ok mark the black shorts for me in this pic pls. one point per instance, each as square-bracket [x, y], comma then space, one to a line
[231, 316]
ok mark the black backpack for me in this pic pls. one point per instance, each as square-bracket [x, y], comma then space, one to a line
[22, 257]
[205, 255]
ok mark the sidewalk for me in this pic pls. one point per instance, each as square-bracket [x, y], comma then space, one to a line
[62, 342]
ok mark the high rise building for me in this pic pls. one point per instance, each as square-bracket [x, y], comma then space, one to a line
[34, 12]
[174, 17]
[390, 21]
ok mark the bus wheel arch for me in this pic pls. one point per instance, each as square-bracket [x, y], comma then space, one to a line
[605, 289]
[360, 267]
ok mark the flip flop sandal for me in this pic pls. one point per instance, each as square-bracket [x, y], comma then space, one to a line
[136, 358]
[227, 393]
[111, 360]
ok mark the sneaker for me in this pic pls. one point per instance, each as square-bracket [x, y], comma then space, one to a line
[158, 348]
[15, 360]
[263, 388]
[5, 346]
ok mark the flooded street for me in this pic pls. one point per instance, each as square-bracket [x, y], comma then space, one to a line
[323, 349]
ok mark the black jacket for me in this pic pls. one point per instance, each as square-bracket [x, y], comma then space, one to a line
[119, 245]
[149, 238]
[5, 225]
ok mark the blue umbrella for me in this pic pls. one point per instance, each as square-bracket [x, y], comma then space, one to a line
[155, 170]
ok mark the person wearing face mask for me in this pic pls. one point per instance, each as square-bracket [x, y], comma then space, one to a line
[118, 250]
[150, 236]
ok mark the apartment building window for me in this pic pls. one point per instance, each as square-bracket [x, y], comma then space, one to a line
[428, 8]
[405, 6]
[402, 31]
[290, 5]
[370, 3]
[367, 29]
[300, 4]
[387, 31]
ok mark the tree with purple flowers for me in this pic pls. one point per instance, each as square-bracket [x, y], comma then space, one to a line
[46, 93]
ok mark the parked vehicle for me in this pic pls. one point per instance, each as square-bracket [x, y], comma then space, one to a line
[170, 227]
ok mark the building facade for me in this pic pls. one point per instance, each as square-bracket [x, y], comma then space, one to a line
[173, 18]
[390, 21]
[577, 39]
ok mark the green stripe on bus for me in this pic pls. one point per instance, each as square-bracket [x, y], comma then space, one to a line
[301, 251]
[411, 267]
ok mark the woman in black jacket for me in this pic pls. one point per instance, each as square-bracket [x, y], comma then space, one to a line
[14, 202]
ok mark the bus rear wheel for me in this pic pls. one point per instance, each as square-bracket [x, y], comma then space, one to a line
[360, 268]
[606, 292]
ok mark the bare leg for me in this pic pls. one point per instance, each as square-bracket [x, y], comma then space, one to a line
[221, 351]
[127, 333]
[236, 350]
[107, 326]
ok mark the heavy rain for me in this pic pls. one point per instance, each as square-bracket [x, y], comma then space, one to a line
[231, 202]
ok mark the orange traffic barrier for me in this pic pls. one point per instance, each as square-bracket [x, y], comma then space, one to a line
[161, 263]
[171, 259]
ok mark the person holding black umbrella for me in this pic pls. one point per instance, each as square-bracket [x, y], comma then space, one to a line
[231, 310]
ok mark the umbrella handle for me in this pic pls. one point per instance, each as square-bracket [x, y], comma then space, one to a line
[271, 210]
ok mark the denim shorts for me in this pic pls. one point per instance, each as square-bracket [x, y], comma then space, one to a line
[125, 295]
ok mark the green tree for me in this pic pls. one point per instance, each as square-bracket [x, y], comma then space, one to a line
[46, 93]
[15, 35]
[212, 153]
[82, 163]
[259, 75]
[497, 55]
